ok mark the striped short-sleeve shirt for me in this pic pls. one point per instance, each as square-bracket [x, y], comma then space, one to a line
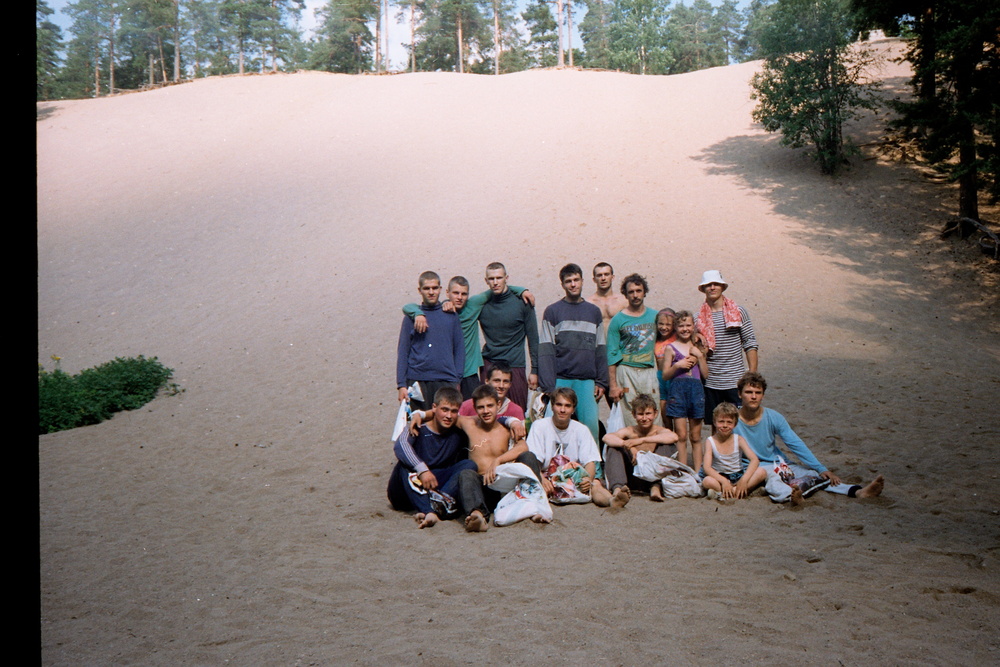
[726, 364]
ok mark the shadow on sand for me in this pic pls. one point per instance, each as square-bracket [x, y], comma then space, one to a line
[936, 317]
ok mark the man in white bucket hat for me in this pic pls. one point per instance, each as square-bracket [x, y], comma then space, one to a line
[727, 334]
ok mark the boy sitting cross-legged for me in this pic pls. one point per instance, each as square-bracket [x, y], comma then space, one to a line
[730, 467]
[646, 435]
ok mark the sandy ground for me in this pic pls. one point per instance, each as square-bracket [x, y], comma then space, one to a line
[259, 235]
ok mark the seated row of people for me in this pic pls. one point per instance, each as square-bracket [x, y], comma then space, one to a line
[446, 460]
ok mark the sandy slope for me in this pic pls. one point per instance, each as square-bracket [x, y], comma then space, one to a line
[259, 234]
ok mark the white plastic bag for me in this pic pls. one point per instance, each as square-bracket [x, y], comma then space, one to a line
[508, 475]
[616, 421]
[677, 479]
[651, 466]
[524, 497]
[400, 420]
[536, 405]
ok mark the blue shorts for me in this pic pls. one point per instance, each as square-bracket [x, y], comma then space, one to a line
[664, 386]
[733, 477]
[686, 399]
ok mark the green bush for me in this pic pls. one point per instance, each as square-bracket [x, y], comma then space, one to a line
[67, 401]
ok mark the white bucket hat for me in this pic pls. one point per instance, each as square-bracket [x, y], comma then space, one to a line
[712, 276]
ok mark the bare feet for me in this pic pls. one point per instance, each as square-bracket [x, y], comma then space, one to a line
[620, 497]
[476, 522]
[600, 494]
[796, 498]
[873, 489]
[656, 493]
[426, 520]
[538, 518]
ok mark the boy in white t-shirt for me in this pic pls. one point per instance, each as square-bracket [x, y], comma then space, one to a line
[560, 434]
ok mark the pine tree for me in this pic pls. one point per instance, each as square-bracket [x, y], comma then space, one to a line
[637, 39]
[48, 42]
[955, 117]
[543, 40]
[449, 34]
[343, 42]
[206, 41]
[594, 34]
[91, 53]
[730, 23]
[147, 43]
[242, 19]
[696, 40]
[506, 38]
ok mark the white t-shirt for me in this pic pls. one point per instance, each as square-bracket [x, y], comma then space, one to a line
[575, 442]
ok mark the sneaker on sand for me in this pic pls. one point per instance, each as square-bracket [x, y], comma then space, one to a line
[810, 485]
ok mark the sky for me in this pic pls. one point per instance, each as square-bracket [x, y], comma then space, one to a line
[399, 34]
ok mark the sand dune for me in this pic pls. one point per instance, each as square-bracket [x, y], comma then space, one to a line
[259, 235]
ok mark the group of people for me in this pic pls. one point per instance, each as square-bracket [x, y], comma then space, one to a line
[667, 371]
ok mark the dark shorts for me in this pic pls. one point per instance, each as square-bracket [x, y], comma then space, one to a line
[715, 396]
[687, 399]
[428, 388]
[733, 477]
[469, 384]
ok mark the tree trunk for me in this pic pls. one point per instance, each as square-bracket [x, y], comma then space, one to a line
[274, 39]
[386, 31]
[195, 61]
[97, 74]
[559, 25]
[111, 58]
[461, 53]
[163, 62]
[177, 40]
[378, 40]
[968, 181]
[928, 52]
[152, 71]
[496, 37]
[413, 41]
[604, 36]
[569, 32]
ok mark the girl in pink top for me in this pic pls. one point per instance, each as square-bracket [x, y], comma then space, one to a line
[664, 337]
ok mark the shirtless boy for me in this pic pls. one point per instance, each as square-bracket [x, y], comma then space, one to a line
[646, 436]
[489, 446]
[605, 298]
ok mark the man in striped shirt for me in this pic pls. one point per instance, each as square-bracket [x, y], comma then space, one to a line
[726, 331]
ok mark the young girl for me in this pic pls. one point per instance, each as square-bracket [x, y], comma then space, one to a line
[664, 336]
[684, 366]
[724, 470]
